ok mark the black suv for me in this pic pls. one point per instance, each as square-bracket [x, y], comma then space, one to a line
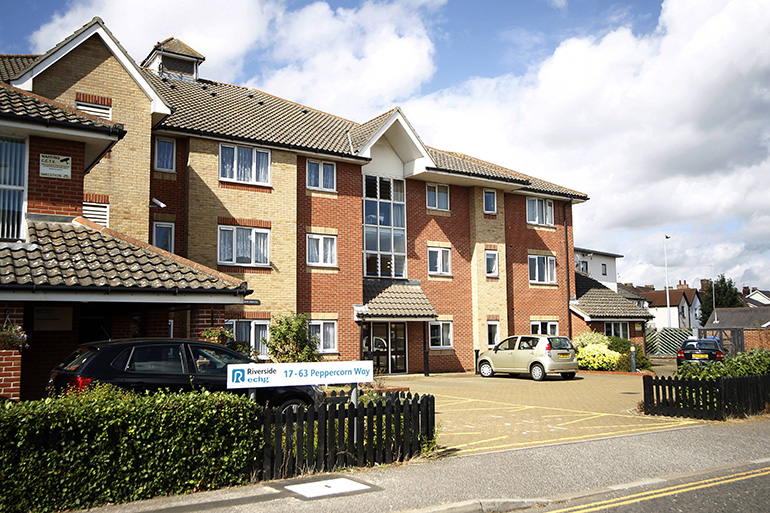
[160, 364]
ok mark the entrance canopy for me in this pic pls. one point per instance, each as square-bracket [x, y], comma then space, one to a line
[395, 300]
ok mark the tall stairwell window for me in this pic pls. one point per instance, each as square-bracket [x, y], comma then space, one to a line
[384, 227]
[13, 174]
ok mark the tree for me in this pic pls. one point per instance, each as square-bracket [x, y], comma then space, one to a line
[289, 341]
[726, 297]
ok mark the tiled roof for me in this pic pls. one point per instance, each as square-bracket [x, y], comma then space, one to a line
[396, 299]
[629, 293]
[84, 254]
[361, 134]
[740, 318]
[457, 162]
[15, 103]
[657, 298]
[600, 302]
[174, 45]
[11, 65]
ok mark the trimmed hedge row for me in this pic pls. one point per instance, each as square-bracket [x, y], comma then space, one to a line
[106, 445]
[754, 363]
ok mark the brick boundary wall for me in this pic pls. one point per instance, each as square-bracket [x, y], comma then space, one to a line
[10, 374]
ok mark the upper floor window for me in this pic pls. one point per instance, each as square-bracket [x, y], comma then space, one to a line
[244, 164]
[583, 266]
[544, 327]
[438, 196]
[439, 261]
[165, 155]
[540, 211]
[325, 333]
[490, 201]
[321, 175]
[163, 236]
[322, 250]
[542, 269]
[244, 246]
[384, 227]
[604, 269]
[13, 178]
[491, 260]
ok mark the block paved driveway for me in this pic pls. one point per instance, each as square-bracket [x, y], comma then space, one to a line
[476, 414]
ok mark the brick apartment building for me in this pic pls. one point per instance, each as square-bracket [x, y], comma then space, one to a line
[397, 251]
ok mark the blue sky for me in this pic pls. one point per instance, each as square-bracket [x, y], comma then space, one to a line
[659, 111]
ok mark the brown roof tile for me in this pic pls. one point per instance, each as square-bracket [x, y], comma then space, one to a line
[600, 302]
[11, 65]
[396, 299]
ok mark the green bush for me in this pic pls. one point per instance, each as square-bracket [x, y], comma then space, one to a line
[619, 345]
[643, 362]
[755, 362]
[597, 357]
[590, 338]
[105, 445]
[290, 340]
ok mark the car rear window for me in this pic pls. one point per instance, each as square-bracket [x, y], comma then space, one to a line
[702, 344]
[77, 358]
[560, 343]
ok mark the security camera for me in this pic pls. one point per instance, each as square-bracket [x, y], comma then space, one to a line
[159, 202]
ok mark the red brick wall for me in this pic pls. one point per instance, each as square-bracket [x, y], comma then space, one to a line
[756, 338]
[321, 292]
[171, 189]
[525, 300]
[580, 326]
[55, 195]
[10, 374]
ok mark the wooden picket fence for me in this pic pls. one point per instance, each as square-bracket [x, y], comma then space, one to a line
[333, 435]
[712, 399]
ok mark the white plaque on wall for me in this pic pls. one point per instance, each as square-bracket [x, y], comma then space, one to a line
[55, 166]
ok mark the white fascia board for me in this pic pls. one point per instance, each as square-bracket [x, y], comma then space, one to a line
[366, 151]
[121, 297]
[25, 81]
[445, 177]
[545, 195]
[56, 132]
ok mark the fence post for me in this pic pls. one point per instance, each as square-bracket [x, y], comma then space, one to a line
[649, 399]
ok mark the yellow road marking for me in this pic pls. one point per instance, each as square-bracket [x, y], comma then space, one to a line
[581, 420]
[665, 492]
[480, 442]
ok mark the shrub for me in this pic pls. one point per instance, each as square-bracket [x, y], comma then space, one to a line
[643, 362]
[106, 445]
[755, 362]
[597, 357]
[590, 338]
[289, 340]
[619, 345]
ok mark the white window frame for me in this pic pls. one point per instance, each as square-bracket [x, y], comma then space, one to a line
[583, 266]
[440, 252]
[157, 224]
[320, 186]
[261, 351]
[234, 229]
[100, 111]
[436, 190]
[446, 340]
[496, 271]
[156, 166]
[387, 232]
[321, 324]
[19, 230]
[496, 325]
[549, 272]
[611, 329]
[321, 238]
[493, 192]
[99, 213]
[547, 209]
[536, 328]
[254, 160]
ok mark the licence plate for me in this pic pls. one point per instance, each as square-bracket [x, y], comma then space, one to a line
[562, 355]
[699, 356]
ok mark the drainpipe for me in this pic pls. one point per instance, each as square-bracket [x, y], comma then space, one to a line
[567, 266]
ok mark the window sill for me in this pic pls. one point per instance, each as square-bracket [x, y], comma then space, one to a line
[320, 193]
[544, 227]
[245, 186]
[440, 277]
[534, 285]
[164, 175]
[322, 269]
[490, 215]
[243, 269]
[439, 212]
[493, 277]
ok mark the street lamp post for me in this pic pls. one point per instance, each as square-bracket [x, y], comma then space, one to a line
[665, 263]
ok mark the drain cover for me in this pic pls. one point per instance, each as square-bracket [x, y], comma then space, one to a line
[329, 487]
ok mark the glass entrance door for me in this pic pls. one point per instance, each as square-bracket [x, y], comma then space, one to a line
[385, 345]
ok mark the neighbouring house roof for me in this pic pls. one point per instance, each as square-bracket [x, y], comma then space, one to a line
[657, 298]
[595, 252]
[597, 302]
[79, 255]
[11, 65]
[629, 293]
[739, 318]
[174, 45]
[395, 299]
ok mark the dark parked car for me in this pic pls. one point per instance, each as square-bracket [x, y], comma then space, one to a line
[159, 364]
[703, 350]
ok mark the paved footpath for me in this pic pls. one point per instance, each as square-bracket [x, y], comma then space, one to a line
[495, 481]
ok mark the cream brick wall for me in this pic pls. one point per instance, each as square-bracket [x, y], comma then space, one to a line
[277, 288]
[125, 176]
[488, 295]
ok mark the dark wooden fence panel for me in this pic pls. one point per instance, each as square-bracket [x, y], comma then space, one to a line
[712, 399]
[391, 428]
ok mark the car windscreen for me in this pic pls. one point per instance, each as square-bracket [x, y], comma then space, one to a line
[560, 343]
[77, 358]
[708, 344]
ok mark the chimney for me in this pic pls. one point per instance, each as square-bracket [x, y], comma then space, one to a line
[746, 291]
[682, 286]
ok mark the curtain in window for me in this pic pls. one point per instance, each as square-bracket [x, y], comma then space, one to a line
[399, 218]
[329, 342]
[245, 164]
[165, 156]
[445, 261]
[313, 250]
[328, 176]
[433, 261]
[243, 245]
[263, 167]
[446, 331]
[398, 190]
[260, 248]
[329, 250]
[551, 269]
[163, 238]
[531, 211]
[226, 162]
[312, 174]
[489, 201]
[491, 263]
[225, 245]
[443, 198]
[548, 212]
[432, 196]
[314, 332]
[12, 171]
[261, 333]
[242, 332]
[540, 211]
[399, 241]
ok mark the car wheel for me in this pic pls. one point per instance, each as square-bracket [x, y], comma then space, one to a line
[485, 369]
[291, 405]
[537, 372]
[567, 375]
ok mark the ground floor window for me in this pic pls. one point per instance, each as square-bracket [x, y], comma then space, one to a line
[253, 334]
[325, 333]
[616, 329]
[440, 335]
[493, 333]
[544, 327]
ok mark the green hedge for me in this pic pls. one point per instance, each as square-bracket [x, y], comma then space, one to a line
[755, 362]
[106, 445]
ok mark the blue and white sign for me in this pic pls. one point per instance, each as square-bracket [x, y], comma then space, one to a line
[258, 375]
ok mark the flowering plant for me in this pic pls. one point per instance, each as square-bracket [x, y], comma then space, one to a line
[222, 335]
[12, 337]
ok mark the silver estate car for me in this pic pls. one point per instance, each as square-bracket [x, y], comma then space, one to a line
[536, 355]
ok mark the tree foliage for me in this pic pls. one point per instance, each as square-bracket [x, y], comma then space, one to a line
[289, 340]
[726, 296]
